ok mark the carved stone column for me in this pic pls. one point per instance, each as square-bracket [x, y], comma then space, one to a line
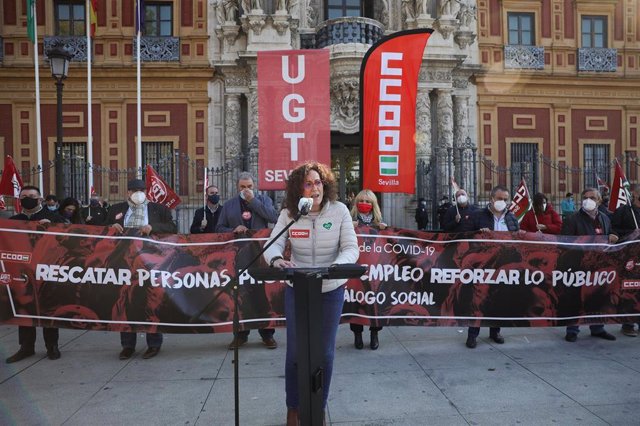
[445, 139]
[460, 131]
[423, 125]
[233, 131]
[253, 129]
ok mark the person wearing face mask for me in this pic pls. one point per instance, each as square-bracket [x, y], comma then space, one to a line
[444, 206]
[495, 217]
[366, 211]
[94, 213]
[205, 219]
[240, 214]
[542, 218]
[589, 221]
[32, 210]
[51, 202]
[422, 214]
[70, 211]
[459, 217]
[140, 216]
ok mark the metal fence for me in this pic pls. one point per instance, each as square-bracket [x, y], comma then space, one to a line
[478, 175]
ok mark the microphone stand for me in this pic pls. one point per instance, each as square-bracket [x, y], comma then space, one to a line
[236, 316]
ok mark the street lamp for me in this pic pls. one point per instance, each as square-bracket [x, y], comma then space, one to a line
[59, 58]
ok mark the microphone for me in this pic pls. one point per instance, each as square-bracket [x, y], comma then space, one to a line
[305, 205]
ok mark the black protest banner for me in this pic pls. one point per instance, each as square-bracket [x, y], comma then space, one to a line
[87, 277]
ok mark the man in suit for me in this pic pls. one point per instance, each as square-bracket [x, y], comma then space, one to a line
[205, 219]
[495, 217]
[589, 220]
[240, 214]
[33, 210]
[146, 218]
[94, 213]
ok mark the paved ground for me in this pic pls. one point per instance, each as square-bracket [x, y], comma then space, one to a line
[418, 376]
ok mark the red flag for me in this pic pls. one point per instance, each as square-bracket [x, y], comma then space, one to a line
[93, 192]
[158, 191]
[388, 90]
[521, 202]
[293, 94]
[11, 183]
[3, 206]
[620, 195]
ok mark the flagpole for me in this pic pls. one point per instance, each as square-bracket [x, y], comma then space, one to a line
[138, 109]
[89, 109]
[206, 184]
[38, 119]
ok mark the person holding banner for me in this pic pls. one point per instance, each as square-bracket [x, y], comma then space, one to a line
[625, 223]
[32, 210]
[323, 237]
[495, 217]
[366, 211]
[205, 219]
[145, 218]
[542, 218]
[459, 216]
[589, 221]
[240, 214]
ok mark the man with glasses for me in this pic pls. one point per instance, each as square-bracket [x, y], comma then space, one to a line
[495, 217]
[589, 220]
[240, 214]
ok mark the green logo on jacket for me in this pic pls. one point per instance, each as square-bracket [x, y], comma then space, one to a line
[327, 225]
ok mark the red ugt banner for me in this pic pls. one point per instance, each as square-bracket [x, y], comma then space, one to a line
[388, 88]
[293, 94]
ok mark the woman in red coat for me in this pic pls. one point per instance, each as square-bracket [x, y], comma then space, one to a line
[548, 221]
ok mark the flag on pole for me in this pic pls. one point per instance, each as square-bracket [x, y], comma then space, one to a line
[93, 192]
[3, 205]
[31, 20]
[11, 182]
[521, 202]
[93, 16]
[620, 194]
[205, 185]
[454, 185]
[158, 191]
[602, 185]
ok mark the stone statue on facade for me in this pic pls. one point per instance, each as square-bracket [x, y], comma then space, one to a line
[287, 7]
[422, 7]
[409, 10]
[466, 14]
[226, 11]
[249, 5]
[449, 7]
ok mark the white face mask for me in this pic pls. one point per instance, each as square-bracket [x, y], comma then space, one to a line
[589, 205]
[544, 207]
[138, 197]
[499, 205]
[462, 199]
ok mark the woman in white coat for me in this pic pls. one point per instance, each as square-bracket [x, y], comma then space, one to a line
[322, 238]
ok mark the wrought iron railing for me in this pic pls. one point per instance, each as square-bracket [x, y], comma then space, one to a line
[158, 49]
[346, 30]
[597, 59]
[77, 46]
[523, 57]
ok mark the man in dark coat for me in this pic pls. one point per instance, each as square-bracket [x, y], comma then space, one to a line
[32, 210]
[94, 213]
[205, 219]
[240, 214]
[589, 220]
[459, 217]
[146, 218]
[422, 215]
[495, 217]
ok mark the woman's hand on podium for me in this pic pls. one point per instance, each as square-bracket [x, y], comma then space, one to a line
[282, 264]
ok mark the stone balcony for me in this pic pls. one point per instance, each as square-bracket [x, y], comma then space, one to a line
[158, 49]
[77, 46]
[597, 59]
[342, 31]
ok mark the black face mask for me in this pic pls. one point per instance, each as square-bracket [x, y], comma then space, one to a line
[93, 202]
[29, 203]
[214, 198]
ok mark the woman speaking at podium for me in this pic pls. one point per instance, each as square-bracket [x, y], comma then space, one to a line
[322, 236]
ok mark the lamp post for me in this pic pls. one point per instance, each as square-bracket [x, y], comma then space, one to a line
[59, 58]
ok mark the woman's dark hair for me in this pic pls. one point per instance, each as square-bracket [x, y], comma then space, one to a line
[538, 199]
[295, 185]
[76, 218]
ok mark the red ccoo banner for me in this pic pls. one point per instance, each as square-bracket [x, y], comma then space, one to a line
[388, 88]
[293, 94]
